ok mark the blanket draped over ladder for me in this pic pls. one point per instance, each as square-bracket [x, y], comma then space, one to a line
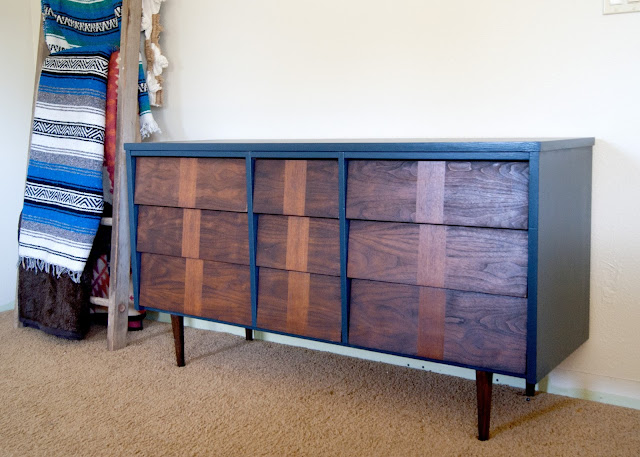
[63, 200]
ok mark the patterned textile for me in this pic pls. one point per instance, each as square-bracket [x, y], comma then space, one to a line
[63, 196]
[73, 23]
[147, 123]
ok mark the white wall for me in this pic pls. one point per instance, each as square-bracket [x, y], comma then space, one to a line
[308, 69]
[17, 55]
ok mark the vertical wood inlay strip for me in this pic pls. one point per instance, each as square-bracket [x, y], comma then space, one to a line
[194, 274]
[191, 233]
[432, 255]
[295, 187]
[430, 192]
[187, 183]
[298, 302]
[297, 243]
[431, 314]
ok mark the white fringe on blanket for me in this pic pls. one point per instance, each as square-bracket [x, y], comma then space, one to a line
[37, 265]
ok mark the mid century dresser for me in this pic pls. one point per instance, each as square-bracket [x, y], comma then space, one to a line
[470, 253]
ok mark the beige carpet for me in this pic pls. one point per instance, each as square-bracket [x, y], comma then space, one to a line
[238, 398]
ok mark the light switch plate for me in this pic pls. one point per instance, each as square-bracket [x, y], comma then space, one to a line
[620, 6]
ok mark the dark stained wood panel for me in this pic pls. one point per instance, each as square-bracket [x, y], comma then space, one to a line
[212, 235]
[480, 330]
[160, 230]
[222, 184]
[157, 180]
[486, 331]
[195, 287]
[162, 282]
[487, 194]
[299, 243]
[322, 190]
[205, 183]
[296, 187]
[226, 293]
[384, 316]
[474, 259]
[268, 190]
[224, 237]
[468, 193]
[299, 303]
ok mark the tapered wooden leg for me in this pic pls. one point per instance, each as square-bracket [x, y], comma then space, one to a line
[530, 390]
[248, 334]
[177, 324]
[484, 384]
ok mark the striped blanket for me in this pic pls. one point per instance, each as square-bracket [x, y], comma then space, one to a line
[63, 195]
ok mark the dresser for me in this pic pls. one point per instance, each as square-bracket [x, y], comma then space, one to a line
[469, 253]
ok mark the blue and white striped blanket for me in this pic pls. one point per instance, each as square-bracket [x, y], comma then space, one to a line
[63, 195]
[63, 199]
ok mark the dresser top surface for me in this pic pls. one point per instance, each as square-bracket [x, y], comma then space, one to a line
[525, 145]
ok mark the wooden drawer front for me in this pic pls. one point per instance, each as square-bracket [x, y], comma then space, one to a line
[475, 259]
[296, 187]
[213, 290]
[192, 183]
[299, 243]
[479, 330]
[300, 304]
[199, 234]
[477, 194]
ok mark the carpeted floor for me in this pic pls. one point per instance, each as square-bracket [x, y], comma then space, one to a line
[238, 398]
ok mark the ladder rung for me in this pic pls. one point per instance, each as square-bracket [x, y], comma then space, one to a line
[100, 301]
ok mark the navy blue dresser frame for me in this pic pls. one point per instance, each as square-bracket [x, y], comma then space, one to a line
[559, 230]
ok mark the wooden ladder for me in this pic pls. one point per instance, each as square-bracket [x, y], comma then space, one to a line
[127, 131]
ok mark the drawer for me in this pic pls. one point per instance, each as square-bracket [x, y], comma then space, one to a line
[199, 234]
[478, 330]
[213, 290]
[466, 258]
[296, 187]
[476, 193]
[206, 183]
[299, 243]
[300, 303]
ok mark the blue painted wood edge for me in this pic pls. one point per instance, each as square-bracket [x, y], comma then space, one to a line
[372, 145]
[398, 155]
[252, 220]
[532, 270]
[133, 233]
[342, 215]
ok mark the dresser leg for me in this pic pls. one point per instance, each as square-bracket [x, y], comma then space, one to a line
[530, 390]
[177, 324]
[248, 334]
[484, 384]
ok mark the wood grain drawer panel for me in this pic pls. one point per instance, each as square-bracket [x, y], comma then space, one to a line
[469, 193]
[206, 183]
[195, 287]
[479, 330]
[296, 187]
[474, 259]
[213, 235]
[299, 243]
[299, 303]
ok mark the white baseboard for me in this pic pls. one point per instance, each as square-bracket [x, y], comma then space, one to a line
[586, 386]
[7, 307]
